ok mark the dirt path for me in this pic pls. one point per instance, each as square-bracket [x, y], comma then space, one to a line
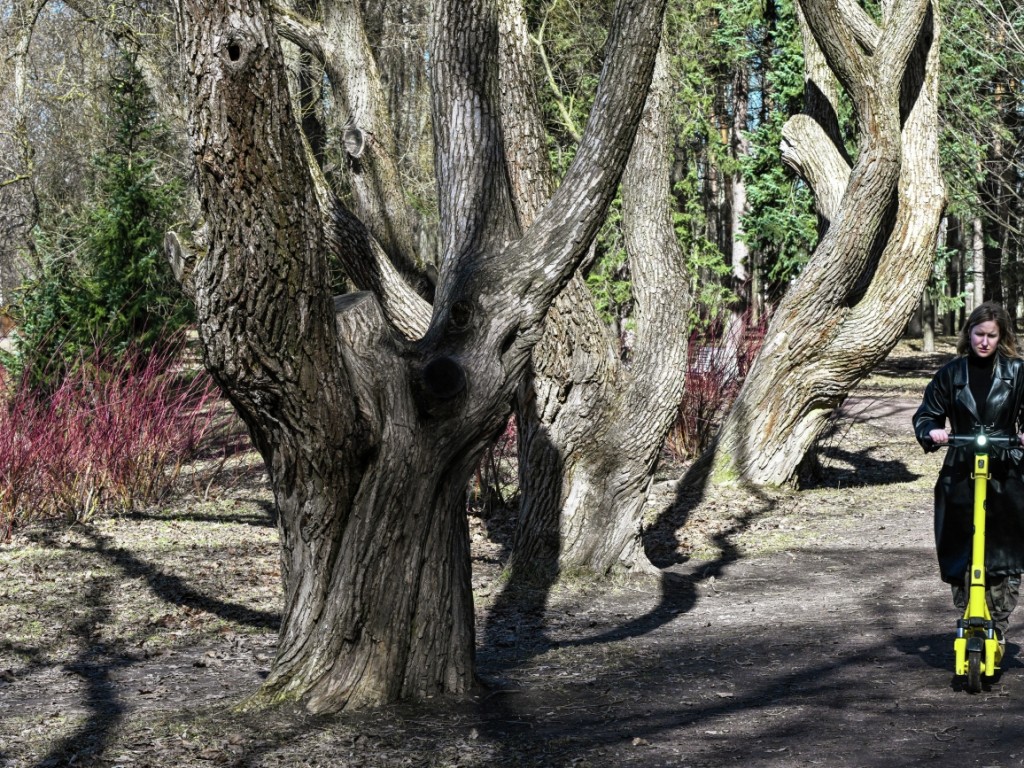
[799, 628]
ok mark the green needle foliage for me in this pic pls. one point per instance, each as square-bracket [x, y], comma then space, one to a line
[780, 223]
[105, 284]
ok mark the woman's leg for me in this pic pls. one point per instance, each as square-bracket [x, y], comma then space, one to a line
[1002, 593]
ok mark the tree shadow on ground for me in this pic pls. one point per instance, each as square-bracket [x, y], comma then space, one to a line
[93, 664]
[771, 697]
[96, 661]
[935, 650]
[837, 468]
[518, 611]
[265, 518]
[917, 366]
[176, 590]
[828, 464]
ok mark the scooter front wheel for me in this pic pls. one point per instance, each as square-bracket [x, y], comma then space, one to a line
[974, 671]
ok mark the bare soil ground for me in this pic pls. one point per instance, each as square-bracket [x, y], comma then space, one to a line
[786, 629]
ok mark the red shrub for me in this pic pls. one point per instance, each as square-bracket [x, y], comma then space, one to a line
[717, 366]
[114, 435]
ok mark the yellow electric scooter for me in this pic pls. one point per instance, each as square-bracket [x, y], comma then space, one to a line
[976, 647]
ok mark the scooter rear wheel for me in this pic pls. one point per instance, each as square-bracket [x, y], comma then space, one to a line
[974, 671]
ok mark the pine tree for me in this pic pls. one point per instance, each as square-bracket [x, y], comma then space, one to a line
[106, 286]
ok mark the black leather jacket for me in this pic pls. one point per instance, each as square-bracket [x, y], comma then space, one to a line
[948, 398]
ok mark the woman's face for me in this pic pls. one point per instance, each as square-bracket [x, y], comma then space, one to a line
[985, 338]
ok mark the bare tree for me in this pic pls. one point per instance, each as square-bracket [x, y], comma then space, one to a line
[370, 435]
[592, 425]
[586, 459]
[17, 175]
[865, 278]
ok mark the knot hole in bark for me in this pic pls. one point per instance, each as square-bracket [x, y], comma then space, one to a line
[235, 53]
[353, 139]
[443, 378]
[460, 316]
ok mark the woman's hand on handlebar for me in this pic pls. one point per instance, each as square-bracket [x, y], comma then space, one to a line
[939, 436]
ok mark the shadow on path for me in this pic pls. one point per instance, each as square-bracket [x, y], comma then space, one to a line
[96, 661]
[176, 590]
[93, 665]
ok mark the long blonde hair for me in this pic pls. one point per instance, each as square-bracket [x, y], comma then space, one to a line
[983, 313]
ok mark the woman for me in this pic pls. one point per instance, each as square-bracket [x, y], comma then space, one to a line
[982, 388]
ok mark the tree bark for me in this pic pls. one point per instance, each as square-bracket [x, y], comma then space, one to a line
[927, 323]
[866, 275]
[362, 118]
[591, 427]
[978, 264]
[369, 438]
[739, 147]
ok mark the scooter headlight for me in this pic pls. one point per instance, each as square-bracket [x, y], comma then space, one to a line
[982, 441]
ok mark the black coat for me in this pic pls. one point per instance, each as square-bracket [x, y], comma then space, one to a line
[948, 397]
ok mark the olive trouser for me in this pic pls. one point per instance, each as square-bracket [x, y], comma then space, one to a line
[1001, 595]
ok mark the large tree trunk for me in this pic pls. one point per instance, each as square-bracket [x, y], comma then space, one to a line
[369, 437]
[576, 354]
[865, 278]
[591, 427]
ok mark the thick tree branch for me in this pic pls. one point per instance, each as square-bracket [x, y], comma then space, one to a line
[864, 28]
[808, 150]
[474, 205]
[525, 141]
[299, 30]
[544, 260]
[567, 225]
[364, 259]
[340, 45]
[867, 78]
[836, 40]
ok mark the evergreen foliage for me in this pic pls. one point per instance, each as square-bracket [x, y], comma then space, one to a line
[970, 118]
[780, 223]
[713, 44]
[105, 283]
[982, 151]
[698, 68]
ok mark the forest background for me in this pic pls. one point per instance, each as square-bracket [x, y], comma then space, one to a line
[745, 221]
[98, 169]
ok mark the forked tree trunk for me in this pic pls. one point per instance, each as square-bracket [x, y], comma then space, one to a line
[864, 279]
[576, 353]
[369, 438]
[592, 428]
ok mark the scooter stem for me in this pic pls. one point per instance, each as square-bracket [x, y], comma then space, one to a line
[977, 606]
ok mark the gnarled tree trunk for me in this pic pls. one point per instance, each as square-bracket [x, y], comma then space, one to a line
[369, 436]
[864, 279]
[592, 427]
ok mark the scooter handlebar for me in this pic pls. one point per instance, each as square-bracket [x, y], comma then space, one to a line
[982, 441]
